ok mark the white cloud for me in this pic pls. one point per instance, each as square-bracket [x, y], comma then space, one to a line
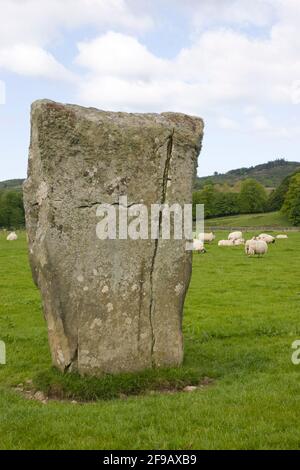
[250, 110]
[41, 21]
[32, 61]
[118, 55]
[29, 26]
[261, 123]
[208, 13]
[222, 67]
[228, 123]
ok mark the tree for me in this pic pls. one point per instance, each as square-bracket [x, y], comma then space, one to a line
[291, 206]
[207, 197]
[216, 203]
[277, 197]
[226, 204]
[11, 210]
[253, 197]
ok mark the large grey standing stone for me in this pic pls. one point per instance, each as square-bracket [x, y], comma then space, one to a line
[110, 305]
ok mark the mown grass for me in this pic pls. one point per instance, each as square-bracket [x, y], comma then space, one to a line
[241, 317]
[269, 219]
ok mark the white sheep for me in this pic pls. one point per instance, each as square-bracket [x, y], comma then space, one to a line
[239, 242]
[266, 238]
[282, 237]
[12, 236]
[226, 243]
[207, 237]
[235, 236]
[248, 243]
[256, 247]
[198, 246]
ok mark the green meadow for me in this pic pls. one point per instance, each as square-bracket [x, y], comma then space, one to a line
[241, 317]
[266, 219]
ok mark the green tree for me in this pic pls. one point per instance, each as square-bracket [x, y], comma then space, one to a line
[11, 210]
[226, 204]
[253, 197]
[216, 203]
[291, 206]
[277, 197]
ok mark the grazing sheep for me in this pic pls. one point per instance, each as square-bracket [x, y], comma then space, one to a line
[266, 238]
[198, 246]
[207, 237]
[12, 236]
[226, 243]
[248, 243]
[256, 247]
[239, 242]
[251, 239]
[235, 236]
[282, 237]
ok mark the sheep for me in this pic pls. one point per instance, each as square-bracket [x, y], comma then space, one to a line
[235, 236]
[266, 238]
[256, 247]
[207, 237]
[282, 237]
[226, 243]
[239, 242]
[12, 236]
[198, 246]
[248, 243]
[251, 239]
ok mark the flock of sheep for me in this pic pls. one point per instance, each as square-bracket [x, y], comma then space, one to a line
[256, 246]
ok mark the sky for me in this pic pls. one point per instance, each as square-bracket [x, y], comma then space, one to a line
[235, 63]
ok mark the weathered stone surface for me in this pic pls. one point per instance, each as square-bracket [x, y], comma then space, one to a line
[112, 305]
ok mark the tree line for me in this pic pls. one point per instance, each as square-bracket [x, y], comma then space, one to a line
[12, 214]
[251, 198]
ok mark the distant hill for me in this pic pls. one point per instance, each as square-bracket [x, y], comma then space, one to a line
[11, 184]
[268, 174]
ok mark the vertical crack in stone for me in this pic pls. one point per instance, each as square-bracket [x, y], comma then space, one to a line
[162, 201]
[141, 291]
[74, 358]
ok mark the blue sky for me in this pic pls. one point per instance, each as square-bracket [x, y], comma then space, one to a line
[234, 63]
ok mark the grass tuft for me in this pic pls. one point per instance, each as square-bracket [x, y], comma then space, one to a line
[73, 386]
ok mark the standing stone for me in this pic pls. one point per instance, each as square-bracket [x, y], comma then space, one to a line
[110, 305]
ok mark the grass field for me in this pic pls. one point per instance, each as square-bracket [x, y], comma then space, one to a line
[269, 219]
[241, 317]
